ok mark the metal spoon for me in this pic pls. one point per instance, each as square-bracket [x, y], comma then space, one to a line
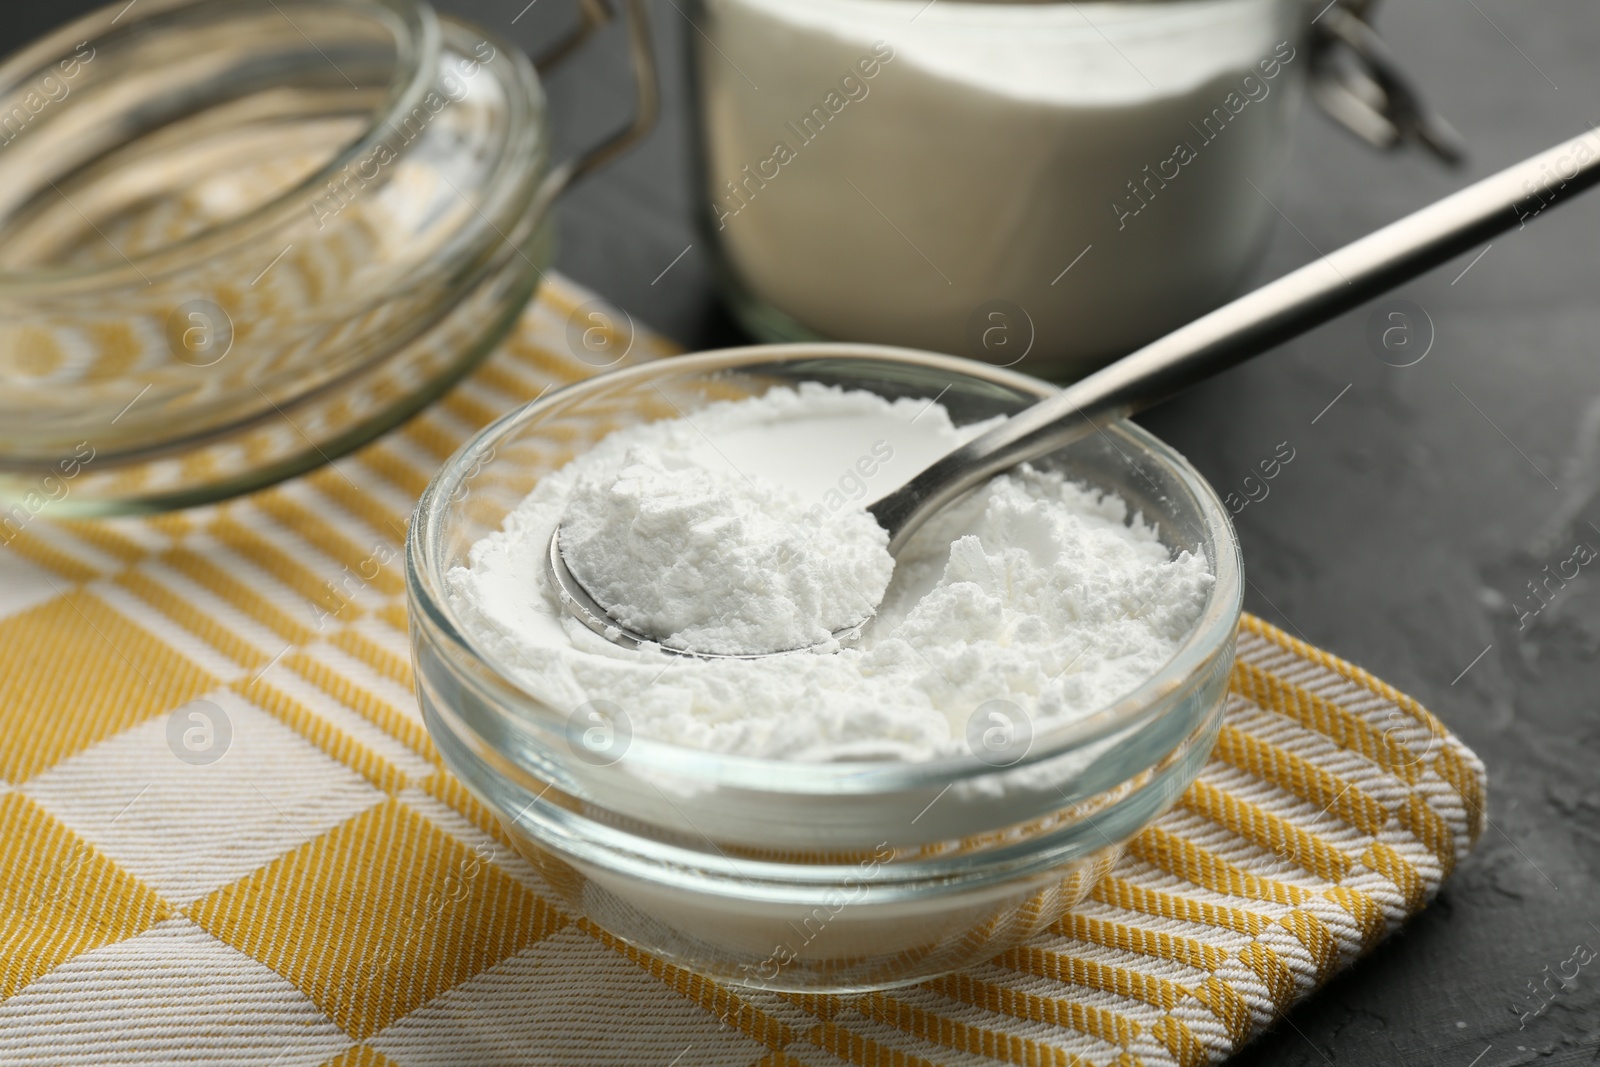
[1231, 334]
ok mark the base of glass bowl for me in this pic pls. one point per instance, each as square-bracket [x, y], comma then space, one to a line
[824, 947]
[794, 921]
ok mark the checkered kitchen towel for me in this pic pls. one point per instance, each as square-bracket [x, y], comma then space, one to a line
[226, 838]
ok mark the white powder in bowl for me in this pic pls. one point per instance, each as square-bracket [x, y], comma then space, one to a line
[1032, 590]
[714, 560]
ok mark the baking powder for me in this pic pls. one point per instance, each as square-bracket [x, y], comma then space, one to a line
[1033, 590]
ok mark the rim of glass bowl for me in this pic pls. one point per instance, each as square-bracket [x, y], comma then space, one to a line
[425, 582]
[417, 48]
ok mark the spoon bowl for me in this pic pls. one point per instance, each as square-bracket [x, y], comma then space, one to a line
[581, 605]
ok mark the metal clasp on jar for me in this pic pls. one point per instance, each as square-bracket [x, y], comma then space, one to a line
[1358, 80]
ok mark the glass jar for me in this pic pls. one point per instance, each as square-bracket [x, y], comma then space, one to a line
[1055, 182]
[796, 875]
[239, 237]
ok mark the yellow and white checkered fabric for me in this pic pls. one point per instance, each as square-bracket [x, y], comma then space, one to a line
[226, 838]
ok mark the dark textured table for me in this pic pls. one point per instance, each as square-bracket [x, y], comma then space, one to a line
[1420, 502]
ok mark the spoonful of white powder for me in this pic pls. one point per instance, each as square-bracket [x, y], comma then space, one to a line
[714, 562]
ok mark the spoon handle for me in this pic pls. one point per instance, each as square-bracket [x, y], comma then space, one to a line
[1252, 324]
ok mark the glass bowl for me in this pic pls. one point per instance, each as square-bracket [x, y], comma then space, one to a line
[239, 237]
[823, 875]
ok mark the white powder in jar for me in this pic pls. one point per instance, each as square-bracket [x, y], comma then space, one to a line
[1032, 590]
[924, 174]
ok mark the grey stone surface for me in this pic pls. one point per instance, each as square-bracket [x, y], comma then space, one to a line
[1404, 532]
